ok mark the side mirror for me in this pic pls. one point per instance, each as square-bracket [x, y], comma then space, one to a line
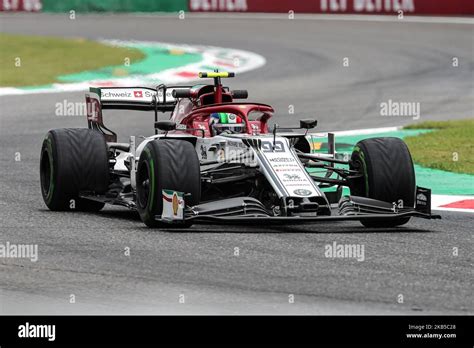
[308, 123]
[165, 125]
[240, 94]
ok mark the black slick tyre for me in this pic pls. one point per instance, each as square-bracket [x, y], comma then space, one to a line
[168, 164]
[73, 160]
[388, 175]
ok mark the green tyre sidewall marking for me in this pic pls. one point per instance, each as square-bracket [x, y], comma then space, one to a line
[366, 178]
[49, 151]
[151, 171]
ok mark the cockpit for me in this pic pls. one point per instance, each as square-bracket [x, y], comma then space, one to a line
[226, 123]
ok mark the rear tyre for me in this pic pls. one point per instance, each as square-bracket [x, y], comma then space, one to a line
[388, 175]
[73, 160]
[166, 164]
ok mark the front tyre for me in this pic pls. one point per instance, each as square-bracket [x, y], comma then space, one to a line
[388, 175]
[169, 164]
[73, 160]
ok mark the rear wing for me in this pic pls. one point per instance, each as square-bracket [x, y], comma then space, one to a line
[128, 98]
[137, 98]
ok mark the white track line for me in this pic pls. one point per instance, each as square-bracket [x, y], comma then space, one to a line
[367, 131]
[438, 200]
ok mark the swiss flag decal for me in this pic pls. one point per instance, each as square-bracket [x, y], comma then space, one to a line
[138, 94]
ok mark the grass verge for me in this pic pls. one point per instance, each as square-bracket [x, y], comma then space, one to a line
[449, 147]
[38, 60]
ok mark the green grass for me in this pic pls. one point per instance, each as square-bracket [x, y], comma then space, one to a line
[438, 149]
[44, 58]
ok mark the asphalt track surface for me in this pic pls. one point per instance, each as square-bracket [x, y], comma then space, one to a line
[83, 254]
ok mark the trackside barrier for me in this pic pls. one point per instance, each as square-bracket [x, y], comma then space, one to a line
[413, 7]
[20, 5]
[115, 5]
[389, 7]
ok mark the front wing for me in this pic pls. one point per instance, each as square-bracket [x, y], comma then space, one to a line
[247, 210]
[289, 220]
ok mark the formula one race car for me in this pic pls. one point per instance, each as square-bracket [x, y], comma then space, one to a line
[216, 161]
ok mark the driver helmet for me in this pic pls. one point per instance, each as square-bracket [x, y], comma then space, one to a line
[225, 121]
